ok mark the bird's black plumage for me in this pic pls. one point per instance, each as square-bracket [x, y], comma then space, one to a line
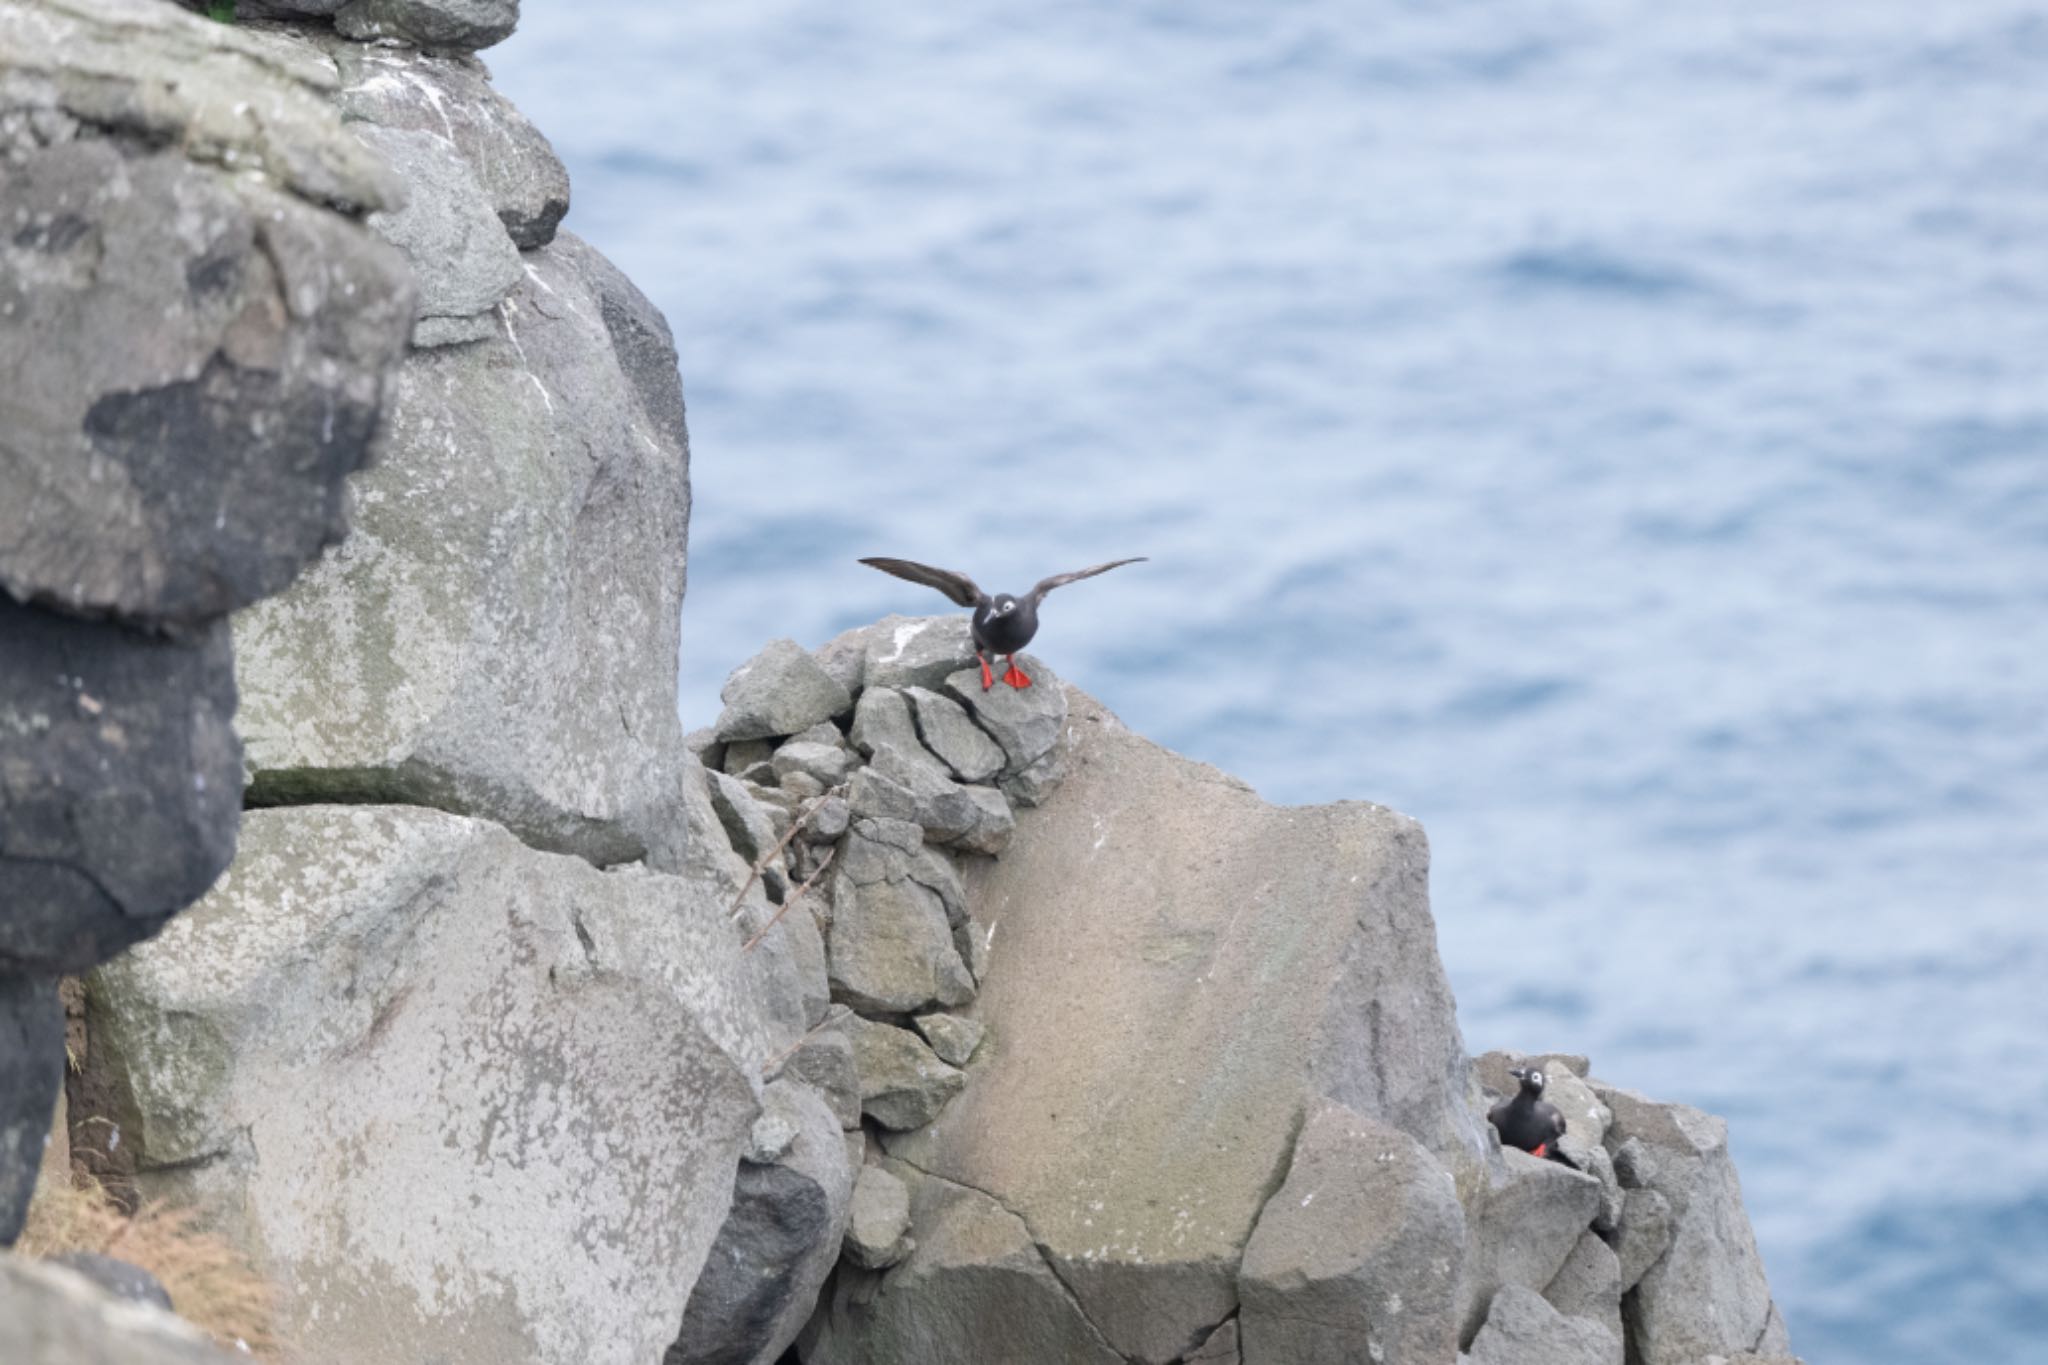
[1527, 1120]
[1003, 623]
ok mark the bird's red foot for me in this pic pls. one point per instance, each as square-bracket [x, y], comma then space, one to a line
[1015, 677]
[988, 677]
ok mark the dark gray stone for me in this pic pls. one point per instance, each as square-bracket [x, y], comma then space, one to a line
[825, 762]
[777, 1245]
[1524, 1224]
[31, 1071]
[1220, 1348]
[459, 25]
[122, 1279]
[1521, 1329]
[1644, 1234]
[1356, 1256]
[120, 784]
[179, 434]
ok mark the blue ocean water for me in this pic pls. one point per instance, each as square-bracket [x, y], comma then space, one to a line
[1613, 432]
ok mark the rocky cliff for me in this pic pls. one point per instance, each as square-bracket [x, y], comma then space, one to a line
[886, 1020]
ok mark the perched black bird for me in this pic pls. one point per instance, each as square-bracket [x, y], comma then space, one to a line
[1527, 1120]
[1002, 624]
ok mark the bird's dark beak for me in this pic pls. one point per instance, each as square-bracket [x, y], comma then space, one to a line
[1520, 1073]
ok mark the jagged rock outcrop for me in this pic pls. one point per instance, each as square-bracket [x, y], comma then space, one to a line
[196, 327]
[50, 1315]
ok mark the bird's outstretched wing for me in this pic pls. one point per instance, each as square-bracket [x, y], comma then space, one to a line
[957, 586]
[1060, 580]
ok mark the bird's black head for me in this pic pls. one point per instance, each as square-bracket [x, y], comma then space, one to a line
[1530, 1077]
[1002, 604]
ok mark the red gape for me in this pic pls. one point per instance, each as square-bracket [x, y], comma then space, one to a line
[1541, 1149]
[1015, 677]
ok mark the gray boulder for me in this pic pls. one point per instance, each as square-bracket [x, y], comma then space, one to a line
[903, 1084]
[1588, 1286]
[911, 785]
[1025, 721]
[778, 1244]
[750, 829]
[1644, 1235]
[1525, 1218]
[481, 644]
[494, 1037]
[120, 783]
[51, 1315]
[825, 1063]
[1707, 1293]
[952, 1036]
[975, 1288]
[899, 651]
[891, 948]
[1356, 1256]
[827, 763]
[189, 389]
[946, 730]
[460, 254]
[31, 1073]
[1294, 952]
[452, 96]
[779, 691]
[878, 1227]
[460, 25]
[1521, 1329]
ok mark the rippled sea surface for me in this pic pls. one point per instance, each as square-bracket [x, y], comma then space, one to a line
[1613, 432]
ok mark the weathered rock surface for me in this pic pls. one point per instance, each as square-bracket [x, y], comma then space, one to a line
[899, 651]
[891, 948]
[1707, 1294]
[1523, 1222]
[120, 783]
[1222, 1348]
[1025, 721]
[878, 1226]
[482, 642]
[31, 1072]
[1589, 1286]
[1295, 953]
[496, 1038]
[452, 96]
[780, 691]
[825, 1063]
[194, 356]
[953, 1037]
[974, 1289]
[943, 725]
[903, 1084]
[1357, 1255]
[762, 1276]
[50, 1315]
[462, 25]
[460, 253]
[1521, 1329]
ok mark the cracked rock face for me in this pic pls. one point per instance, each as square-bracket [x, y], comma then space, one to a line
[493, 1037]
[975, 1288]
[1294, 952]
[31, 1069]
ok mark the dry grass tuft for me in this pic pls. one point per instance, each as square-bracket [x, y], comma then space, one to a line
[211, 1283]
